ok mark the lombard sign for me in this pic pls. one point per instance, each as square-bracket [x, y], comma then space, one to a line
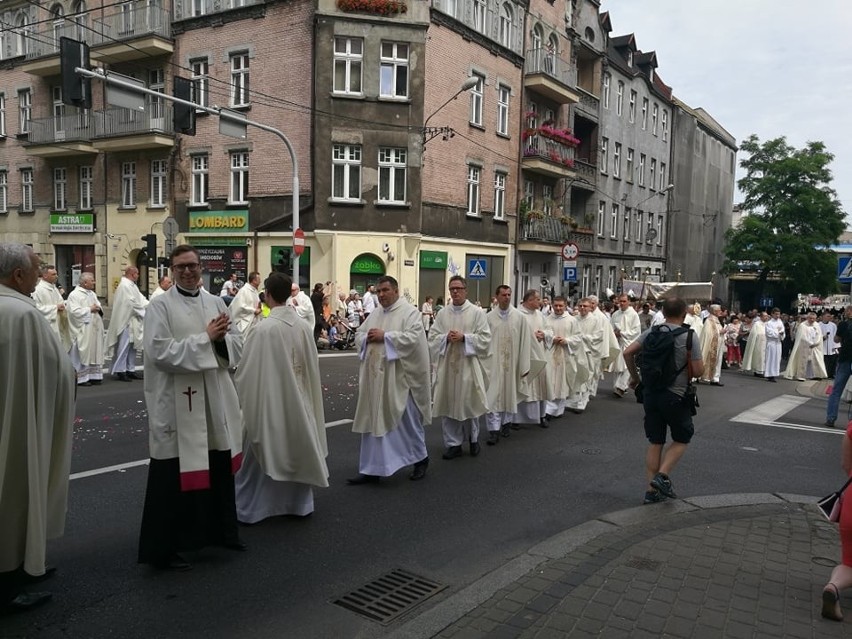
[219, 221]
[72, 222]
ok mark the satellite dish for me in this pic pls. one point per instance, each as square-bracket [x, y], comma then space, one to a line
[652, 234]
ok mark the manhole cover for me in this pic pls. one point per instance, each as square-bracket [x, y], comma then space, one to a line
[641, 563]
[386, 598]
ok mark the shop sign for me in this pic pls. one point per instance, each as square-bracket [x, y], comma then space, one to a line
[433, 259]
[219, 221]
[72, 222]
[368, 265]
[218, 262]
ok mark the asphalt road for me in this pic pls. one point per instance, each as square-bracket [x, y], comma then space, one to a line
[467, 518]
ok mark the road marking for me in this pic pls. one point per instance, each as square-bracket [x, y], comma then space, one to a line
[768, 414]
[144, 462]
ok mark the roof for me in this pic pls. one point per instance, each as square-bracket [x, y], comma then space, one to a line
[606, 22]
[628, 40]
[708, 122]
[615, 53]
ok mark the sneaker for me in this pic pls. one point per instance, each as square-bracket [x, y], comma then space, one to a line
[829, 423]
[662, 483]
[654, 497]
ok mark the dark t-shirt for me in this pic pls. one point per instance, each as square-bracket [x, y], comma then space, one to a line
[844, 334]
[681, 381]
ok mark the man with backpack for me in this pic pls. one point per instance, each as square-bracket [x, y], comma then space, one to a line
[670, 358]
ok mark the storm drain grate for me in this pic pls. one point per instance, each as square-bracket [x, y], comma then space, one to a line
[641, 563]
[391, 595]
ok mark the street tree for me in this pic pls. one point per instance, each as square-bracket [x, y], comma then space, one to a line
[792, 215]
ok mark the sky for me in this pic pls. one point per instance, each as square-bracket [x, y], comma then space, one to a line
[769, 67]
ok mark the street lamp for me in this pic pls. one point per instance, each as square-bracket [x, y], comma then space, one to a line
[660, 193]
[430, 132]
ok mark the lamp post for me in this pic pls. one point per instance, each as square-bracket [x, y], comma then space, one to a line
[430, 132]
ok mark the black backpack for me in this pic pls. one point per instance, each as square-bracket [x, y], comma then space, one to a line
[657, 357]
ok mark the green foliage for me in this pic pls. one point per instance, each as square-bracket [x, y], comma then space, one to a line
[792, 213]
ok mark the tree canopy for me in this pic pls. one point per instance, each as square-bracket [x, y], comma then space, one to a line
[792, 215]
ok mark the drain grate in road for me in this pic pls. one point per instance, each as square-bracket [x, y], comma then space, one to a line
[391, 595]
[641, 563]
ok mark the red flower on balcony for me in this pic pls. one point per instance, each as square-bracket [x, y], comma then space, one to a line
[378, 7]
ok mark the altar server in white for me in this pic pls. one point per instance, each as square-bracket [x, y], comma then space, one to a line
[627, 326]
[532, 408]
[806, 359]
[245, 307]
[459, 342]
[393, 389]
[285, 446]
[124, 336]
[754, 357]
[194, 423]
[569, 360]
[775, 332]
[49, 301]
[595, 342]
[87, 328]
[36, 420]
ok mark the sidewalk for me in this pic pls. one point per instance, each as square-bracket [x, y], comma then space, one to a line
[743, 565]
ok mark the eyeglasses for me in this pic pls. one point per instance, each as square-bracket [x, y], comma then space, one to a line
[457, 288]
[194, 266]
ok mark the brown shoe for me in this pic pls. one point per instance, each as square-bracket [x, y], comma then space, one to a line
[831, 603]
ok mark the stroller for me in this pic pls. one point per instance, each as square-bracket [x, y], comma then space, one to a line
[346, 335]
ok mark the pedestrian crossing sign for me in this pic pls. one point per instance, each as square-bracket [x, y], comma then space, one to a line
[844, 269]
[476, 269]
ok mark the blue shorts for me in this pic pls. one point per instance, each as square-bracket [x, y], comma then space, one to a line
[665, 410]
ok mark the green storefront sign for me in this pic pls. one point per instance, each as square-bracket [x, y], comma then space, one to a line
[236, 221]
[72, 222]
[433, 259]
[367, 265]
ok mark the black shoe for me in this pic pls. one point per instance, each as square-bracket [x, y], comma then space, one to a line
[85, 384]
[28, 600]
[363, 479]
[419, 471]
[238, 545]
[829, 423]
[175, 563]
[96, 382]
[49, 572]
[577, 411]
[134, 376]
[452, 452]
[662, 483]
[122, 377]
[474, 449]
[543, 423]
[654, 497]
[716, 384]
[515, 426]
[758, 375]
[771, 379]
[504, 430]
[493, 438]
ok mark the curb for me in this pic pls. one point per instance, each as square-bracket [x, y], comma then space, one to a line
[456, 605]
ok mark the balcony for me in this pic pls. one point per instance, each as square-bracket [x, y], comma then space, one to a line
[43, 47]
[147, 29]
[588, 105]
[550, 76]
[61, 136]
[118, 129]
[546, 156]
[199, 8]
[541, 234]
[586, 170]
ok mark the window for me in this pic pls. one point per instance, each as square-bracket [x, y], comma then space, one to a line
[476, 99]
[605, 97]
[238, 193]
[650, 226]
[26, 190]
[25, 110]
[628, 220]
[394, 70]
[547, 198]
[158, 183]
[529, 194]
[479, 15]
[652, 178]
[604, 155]
[663, 181]
[587, 274]
[503, 93]
[200, 81]
[2, 115]
[127, 23]
[630, 165]
[348, 56]
[198, 8]
[619, 98]
[450, 7]
[507, 17]
[613, 221]
[601, 220]
[639, 219]
[616, 160]
[392, 175]
[86, 183]
[499, 195]
[631, 113]
[4, 192]
[80, 19]
[654, 115]
[610, 278]
[346, 172]
[199, 190]
[665, 125]
[21, 38]
[641, 169]
[156, 82]
[240, 79]
[644, 113]
[660, 230]
[60, 189]
[598, 278]
[474, 174]
[128, 184]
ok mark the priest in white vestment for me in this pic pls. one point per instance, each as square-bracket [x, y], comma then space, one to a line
[164, 285]
[609, 348]
[124, 336]
[459, 344]
[285, 446]
[536, 387]
[194, 421]
[37, 400]
[594, 339]
[87, 329]
[829, 346]
[569, 362]
[755, 350]
[713, 346]
[775, 333]
[303, 306]
[508, 364]
[806, 359]
[245, 307]
[627, 326]
[393, 389]
[49, 301]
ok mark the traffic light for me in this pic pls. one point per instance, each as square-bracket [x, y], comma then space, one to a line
[76, 90]
[151, 248]
[184, 115]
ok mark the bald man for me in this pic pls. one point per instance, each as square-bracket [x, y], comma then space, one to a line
[125, 327]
